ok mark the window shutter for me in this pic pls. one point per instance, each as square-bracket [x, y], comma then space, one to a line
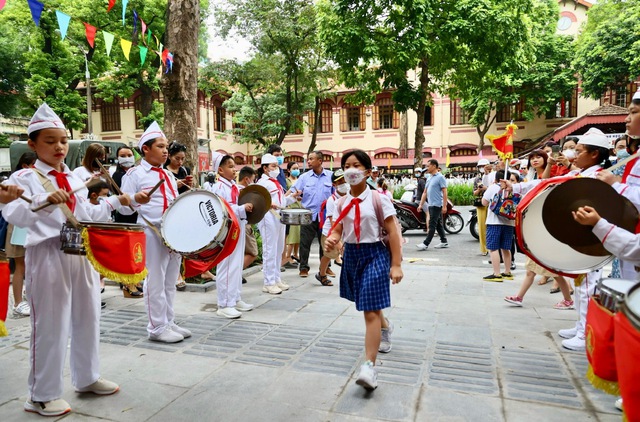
[452, 113]
[376, 117]
[363, 118]
[396, 119]
[343, 120]
[312, 121]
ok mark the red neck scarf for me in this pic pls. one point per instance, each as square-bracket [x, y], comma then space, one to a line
[234, 190]
[63, 183]
[355, 202]
[628, 168]
[279, 187]
[162, 175]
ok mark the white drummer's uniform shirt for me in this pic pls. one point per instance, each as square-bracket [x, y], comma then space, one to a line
[620, 242]
[63, 289]
[163, 264]
[272, 231]
[229, 270]
[630, 190]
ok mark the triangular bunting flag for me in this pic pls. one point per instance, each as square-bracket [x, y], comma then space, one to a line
[135, 22]
[90, 31]
[124, 9]
[143, 54]
[144, 26]
[108, 40]
[149, 37]
[2, 3]
[111, 4]
[126, 48]
[63, 23]
[36, 10]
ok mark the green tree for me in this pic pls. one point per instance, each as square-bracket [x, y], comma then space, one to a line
[379, 44]
[608, 49]
[12, 79]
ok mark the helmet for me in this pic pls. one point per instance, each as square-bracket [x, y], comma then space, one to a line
[483, 162]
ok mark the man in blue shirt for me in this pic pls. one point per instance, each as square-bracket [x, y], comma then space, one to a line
[316, 187]
[436, 195]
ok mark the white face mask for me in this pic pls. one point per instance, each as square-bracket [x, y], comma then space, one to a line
[353, 176]
[274, 173]
[569, 154]
[126, 161]
[343, 188]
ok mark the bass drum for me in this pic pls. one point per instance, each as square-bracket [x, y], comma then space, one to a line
[627, 349]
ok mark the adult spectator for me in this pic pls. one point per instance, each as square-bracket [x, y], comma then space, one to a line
[484, 168]
[126, 160]
[436, 195]
[372, 180]
[276, 151]
[316, 187]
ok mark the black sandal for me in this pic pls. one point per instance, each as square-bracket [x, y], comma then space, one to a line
[323, 280]
[295, 258]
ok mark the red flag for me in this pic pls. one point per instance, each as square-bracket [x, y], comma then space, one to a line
[503, 144]
[91, 34]
[2, 3]
[5, 276]
[111, 4]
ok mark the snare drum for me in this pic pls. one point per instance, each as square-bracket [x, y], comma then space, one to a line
[196, 225]
[296, 216]
[612, 292]
[627, 345]
[71, 240]
[539, 245]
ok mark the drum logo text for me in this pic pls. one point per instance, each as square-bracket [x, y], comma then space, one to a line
[138, 257]
[208, 213]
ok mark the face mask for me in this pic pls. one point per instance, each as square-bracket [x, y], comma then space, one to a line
[295, 173]
[343, 188]
[280, 160]
[622, 154]
[417, 174]
[126, 161]
[353, 176]
[569, 154]
[274, 173]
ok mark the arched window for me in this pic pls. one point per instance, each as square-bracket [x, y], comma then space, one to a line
[384, 116]
[110, 116]
[352, 118]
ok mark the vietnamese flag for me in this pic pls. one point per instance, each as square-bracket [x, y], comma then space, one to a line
[503, 144]
[90, 31]
[111, 4]
[4, 295]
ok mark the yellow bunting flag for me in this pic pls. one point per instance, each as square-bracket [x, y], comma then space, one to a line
[126, 48]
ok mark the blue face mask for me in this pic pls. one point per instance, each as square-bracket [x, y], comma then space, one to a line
[622, 154]
[295, 173]
[280, 160]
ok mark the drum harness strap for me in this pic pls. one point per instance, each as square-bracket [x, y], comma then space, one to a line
[46, 183]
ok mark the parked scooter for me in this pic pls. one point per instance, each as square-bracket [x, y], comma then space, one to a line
[412, 218]
[473, 223]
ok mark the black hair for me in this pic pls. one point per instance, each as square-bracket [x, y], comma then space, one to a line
[123, 147]
[97, 187]
[148, 144]
[360, 155]
[569, 139]
[226, 158]
[550, 144]
[603, 155]
[515, 174]
[176, 147]
[318, 154]
[538, 153]
[434, 162]
[26, 159]
[34, 135]
[274, 148]
[291, 164]
[636, 101]
[246, 171]
[499, 175]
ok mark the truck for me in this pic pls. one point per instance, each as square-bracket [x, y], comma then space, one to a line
[5, 162]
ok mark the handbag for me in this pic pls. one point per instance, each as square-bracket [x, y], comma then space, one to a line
[477, 201]
[504, 204]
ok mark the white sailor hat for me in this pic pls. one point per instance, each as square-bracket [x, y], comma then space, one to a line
[152, 132]
[216, 159]
[268, 159]
[595, 137]
[44, 118]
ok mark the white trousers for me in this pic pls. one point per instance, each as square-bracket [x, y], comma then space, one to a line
[64, 294]
[582, 293]
[229, 272]
[273, 234]
[160, 284]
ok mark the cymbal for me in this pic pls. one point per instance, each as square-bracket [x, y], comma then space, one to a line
[261, 200]
[580, 192]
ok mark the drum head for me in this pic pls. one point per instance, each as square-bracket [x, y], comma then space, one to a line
[539, 245]
[193, 221]
[618, 285]
[632, 300]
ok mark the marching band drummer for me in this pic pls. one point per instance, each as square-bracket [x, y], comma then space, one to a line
[229, 270]
[271, 230]
[592, 155]
[69, 304]
[163, 264]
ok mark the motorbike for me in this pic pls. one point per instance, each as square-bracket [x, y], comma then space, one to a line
[412, 218]
[473, 223]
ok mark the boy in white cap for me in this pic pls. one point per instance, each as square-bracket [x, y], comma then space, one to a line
[63, 290]
[163, 264]
[271, 230]
[229, 270]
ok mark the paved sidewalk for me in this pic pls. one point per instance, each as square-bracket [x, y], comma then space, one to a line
[460, 353]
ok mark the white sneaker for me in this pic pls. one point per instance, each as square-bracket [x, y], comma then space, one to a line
[51, 408]
[182, 331]
[282, 285]
[101, 387]
[368, 376]
[22, 310]
[422, 247]
[272, 289]
[229, 312]
[576, 344]
[568, 332]
[167, 336]
[243, 306]
[441, 245]
[618, 404]
[385, 338]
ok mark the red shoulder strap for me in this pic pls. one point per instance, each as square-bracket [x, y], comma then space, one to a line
[377, 204]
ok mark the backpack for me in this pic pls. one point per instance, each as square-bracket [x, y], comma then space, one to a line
[322, 214]
[3, 231]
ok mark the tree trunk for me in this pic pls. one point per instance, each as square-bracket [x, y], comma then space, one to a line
[488, 121]
[146, 96]
[404, 135]
[180, 86]
[316, 125]
[422, 104]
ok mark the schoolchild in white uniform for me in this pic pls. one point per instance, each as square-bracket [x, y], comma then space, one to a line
[341, 189]
[247, 177]
[271, 230]
[229, 270]
[367, 264]
[163, 264]
[63, 289]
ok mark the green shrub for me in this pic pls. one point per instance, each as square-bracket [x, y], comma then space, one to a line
[461, 194]
[397, 193]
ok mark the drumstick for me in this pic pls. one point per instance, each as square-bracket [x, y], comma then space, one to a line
[155, 188]
[5, 187]
[625, 161]
[113, 183]
[88, 184]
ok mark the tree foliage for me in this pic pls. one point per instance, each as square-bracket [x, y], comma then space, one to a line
[608, 49]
